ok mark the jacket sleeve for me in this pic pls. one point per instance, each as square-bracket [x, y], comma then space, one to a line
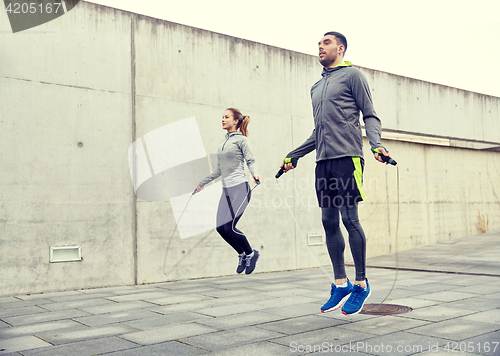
[363, 98]
[308, 146]
[247, 154]
[216, 174]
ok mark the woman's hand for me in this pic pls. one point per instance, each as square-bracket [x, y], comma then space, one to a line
[256, 178]
[199, 188]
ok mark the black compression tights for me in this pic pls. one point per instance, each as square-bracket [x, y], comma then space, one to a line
[335, 241]
[232, 204]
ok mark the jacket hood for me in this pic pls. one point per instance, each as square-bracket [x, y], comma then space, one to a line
[337, 67]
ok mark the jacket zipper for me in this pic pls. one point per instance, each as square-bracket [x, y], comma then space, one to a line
[325, 87]
[225, 143]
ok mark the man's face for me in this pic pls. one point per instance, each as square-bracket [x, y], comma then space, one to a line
[329, 50]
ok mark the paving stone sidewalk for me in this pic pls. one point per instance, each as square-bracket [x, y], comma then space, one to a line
[275, 313]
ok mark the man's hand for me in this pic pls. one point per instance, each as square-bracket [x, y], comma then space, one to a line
[256, 178]
[199, 188]
[377, 156]
[287, 166]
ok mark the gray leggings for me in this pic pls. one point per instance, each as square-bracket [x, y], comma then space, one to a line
[335, 241]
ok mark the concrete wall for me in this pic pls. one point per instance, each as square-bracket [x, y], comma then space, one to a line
[104, 78]
[416, 106]
[65, 83]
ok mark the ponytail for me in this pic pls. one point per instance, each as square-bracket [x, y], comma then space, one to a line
[244, 125]
[242, 121]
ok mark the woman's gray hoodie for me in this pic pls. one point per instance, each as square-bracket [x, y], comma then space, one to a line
[232, 151]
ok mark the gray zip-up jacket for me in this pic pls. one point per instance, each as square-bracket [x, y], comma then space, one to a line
[337, 99]
[232, 151]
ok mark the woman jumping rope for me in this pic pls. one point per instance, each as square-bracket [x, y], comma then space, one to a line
[236, 193]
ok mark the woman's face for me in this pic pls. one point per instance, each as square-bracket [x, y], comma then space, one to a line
[228, 121]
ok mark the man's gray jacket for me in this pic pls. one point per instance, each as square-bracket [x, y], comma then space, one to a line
[337, 100]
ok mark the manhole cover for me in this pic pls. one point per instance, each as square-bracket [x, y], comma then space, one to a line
[384, 309]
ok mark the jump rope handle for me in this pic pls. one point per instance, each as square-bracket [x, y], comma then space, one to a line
[386, 159]
[293, 161]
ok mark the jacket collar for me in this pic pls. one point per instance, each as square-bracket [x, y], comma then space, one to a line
[229, 134]
[327, 71]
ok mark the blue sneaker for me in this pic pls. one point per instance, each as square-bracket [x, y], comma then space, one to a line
[242, 259]
[250, 262]
[338, 296]
[358, 297]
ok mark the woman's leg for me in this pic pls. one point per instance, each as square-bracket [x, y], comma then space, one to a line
[233, 203]
[239, 197]
[224, 217]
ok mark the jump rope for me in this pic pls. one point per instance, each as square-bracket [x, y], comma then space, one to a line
[387, 160]
[294, 161]
[185, 207]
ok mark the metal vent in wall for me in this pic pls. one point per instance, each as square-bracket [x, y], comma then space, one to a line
[65, 253]
[315, 239]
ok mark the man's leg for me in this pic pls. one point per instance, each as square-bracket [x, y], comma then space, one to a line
[361, 289]
[335, 242]
[357, 241]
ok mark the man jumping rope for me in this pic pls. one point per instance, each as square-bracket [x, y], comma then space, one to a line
[337, 100]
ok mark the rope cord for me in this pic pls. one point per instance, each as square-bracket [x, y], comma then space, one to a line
[180, 217]
[172, 235]
[302, 234]
[395, 243]
[236, 214]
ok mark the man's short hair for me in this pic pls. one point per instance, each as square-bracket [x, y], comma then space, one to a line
[340, 38]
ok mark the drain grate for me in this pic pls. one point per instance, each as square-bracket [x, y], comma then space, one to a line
[385, 309]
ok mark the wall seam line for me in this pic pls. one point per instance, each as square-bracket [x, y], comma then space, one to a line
[293, 177]
[134, 137]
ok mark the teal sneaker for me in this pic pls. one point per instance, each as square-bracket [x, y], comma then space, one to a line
[338, 295]
[358, 297]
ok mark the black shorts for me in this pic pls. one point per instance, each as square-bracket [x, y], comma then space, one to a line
[339, 182]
